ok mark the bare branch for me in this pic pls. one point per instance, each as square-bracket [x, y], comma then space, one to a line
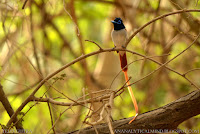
[160, 17]
[161, 118]
[24, 4]
[95, 44]
[6, 104]
[108, 50]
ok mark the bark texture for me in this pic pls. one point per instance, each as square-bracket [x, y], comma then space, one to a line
[166, 117]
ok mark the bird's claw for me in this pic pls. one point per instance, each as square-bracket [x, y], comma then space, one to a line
[114, 48]
[123, 47]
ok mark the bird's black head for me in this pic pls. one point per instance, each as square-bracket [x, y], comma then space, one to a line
[118, 24]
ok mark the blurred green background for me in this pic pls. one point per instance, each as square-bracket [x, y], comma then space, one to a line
[45, 35]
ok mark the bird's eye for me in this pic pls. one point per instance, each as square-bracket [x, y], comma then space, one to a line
[119, 22]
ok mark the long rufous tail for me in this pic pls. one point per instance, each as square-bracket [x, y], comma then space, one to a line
[123, 62]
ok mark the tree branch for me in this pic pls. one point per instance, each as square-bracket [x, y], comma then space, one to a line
[165, 118]
[158, 18]
[6, 104]
[28, 99]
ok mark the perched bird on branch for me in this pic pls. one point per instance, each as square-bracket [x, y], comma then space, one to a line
[119, 37]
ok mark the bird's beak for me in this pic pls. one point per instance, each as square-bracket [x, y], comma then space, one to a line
[113, 22]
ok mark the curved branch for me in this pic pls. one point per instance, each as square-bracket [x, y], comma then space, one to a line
[158, 18]
[71, 63]
[97, 52]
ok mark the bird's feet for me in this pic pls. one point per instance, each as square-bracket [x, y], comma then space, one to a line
[114, 48]
[133, 119]
[123, 47]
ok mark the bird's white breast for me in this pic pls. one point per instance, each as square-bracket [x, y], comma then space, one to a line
[119, 37]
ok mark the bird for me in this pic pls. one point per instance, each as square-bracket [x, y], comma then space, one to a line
[119, 37]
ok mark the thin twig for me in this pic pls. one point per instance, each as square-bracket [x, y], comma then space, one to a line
[97, 52]
[70, 16]
[191, 71]
[60, 116]
[170, 61]
[23, 90]
[149, 38]
[51, 116]
[109, 107]
[24, 4]
[75, 103]
[132, 63]
[160, 17]
[95, 44]
[33, 42]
